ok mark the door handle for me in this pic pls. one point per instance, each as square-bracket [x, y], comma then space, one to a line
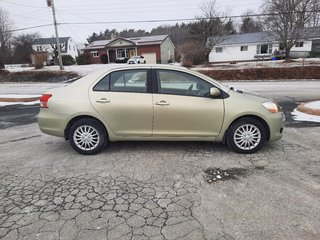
[162, 103]
[103, 100]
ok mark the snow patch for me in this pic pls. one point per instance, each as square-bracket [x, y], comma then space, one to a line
[313, 105]
[2, 104]
[18, 96]
[82, 70]
[304, 117]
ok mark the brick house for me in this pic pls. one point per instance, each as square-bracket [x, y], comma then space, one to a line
[155, 49]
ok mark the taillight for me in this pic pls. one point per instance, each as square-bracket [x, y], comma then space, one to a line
[44, 100]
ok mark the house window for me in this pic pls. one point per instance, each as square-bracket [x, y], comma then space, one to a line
[219, 49]
[121, 53]
[299, 44]
[39, 48]
[264, 49]
[95, 53]
[244, 48]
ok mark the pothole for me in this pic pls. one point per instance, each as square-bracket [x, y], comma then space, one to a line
[216, 174]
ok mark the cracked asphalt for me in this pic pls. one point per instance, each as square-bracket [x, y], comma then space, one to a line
[158, 190]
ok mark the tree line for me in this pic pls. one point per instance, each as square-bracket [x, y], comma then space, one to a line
[287, 20]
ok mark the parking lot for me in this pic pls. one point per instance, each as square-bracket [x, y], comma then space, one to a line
[159, 190]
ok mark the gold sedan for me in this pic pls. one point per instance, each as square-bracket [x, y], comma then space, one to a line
[157, 103]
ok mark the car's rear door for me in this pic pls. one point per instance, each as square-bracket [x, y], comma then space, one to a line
[124, 100]
[183, 106]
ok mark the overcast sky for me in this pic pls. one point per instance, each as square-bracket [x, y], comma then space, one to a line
[26, 13]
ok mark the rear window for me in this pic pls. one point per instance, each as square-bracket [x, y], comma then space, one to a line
[103, 84]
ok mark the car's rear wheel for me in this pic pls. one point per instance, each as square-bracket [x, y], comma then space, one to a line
[246, 135]
[88, 136]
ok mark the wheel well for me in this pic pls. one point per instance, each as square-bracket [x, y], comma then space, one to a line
[73, 120]
[265, 125]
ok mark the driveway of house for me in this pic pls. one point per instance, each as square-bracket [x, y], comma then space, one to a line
[159, 190]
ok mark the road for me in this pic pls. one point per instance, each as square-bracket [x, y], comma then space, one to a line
[298, 91]
[158, 190]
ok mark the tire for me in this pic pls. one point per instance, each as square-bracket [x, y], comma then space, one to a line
[88, 136]
[246, 135]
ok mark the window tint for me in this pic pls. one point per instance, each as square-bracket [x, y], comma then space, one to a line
[103, 84]
[129, 81]
[179, 83]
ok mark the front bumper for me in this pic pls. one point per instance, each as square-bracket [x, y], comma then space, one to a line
[276, 125]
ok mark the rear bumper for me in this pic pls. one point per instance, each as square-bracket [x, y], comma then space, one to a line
[52, 123]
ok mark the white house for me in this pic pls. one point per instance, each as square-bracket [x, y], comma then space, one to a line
[68, 46]
[260, 45]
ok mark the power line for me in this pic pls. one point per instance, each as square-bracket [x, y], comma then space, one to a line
[19, 4]
[166, 20]
[80, 16]
[189, 19]
[27, 28]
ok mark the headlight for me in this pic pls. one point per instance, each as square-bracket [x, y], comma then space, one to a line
[272, 107]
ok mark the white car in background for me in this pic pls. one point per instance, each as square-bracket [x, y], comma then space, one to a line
[136, 60]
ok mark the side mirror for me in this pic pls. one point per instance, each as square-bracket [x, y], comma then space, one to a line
[214, 92]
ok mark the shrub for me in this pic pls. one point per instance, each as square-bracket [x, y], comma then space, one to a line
[2, 65]
[192, 53]
[104, 58]
[67, 60]
[39, 59]
[314, 54]
[84, 59]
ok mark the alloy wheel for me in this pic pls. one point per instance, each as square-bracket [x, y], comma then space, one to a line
[247, 136]
[86, 137]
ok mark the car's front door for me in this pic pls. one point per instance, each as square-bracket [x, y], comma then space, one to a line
[183, 106]
[122, 99]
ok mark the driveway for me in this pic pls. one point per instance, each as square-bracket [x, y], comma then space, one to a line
[156, 190]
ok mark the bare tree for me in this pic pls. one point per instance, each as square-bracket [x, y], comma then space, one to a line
[291, 20]
[5, 36]
[211, 28]
[55, 51]
[250, 24]
[38, 59]
[22, 47]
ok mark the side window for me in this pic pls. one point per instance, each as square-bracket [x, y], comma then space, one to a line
[103, 84]
[129, 81]
[179, 83]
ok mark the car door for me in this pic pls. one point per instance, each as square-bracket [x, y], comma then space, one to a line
[124, 101]
[183, 106]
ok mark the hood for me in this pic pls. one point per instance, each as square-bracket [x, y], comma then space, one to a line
[250, 95]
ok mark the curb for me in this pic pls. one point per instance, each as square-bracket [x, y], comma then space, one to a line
[304, 109]
[19, 99]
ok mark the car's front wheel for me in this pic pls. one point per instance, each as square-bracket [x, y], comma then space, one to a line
[246, 135]
[88, 136]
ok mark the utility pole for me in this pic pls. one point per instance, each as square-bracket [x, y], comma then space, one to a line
[50, 3]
